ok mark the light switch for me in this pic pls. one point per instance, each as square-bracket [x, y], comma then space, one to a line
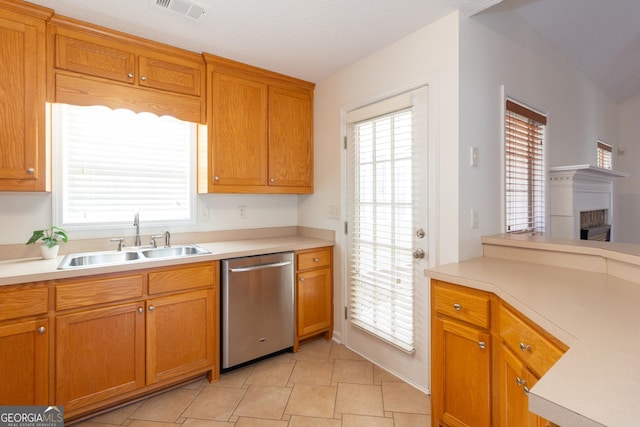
[474, 218]
[473, 156]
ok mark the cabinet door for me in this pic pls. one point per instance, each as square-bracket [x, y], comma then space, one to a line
[314, 301]
[22, 104]
[461, 371]
[238, 133]
[513, 400]
[99, 354]
[170, 74]
[291, 138]
[24, 363]
[180, 335]
[94, 56]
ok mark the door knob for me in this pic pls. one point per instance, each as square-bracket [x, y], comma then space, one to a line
[418, 254]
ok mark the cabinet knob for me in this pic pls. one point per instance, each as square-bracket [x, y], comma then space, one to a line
[272, 180]
[143, 78]
[482, 344]
[151, 308]
[140, 310]
[316, 260]
[302, 279]
[216, 178]
[31, 171]
[525, 347]
[42, 330]
[457, 306]
[130, 75]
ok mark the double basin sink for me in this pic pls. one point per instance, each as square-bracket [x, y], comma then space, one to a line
[99, 259]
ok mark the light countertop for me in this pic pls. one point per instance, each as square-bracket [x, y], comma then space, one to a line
[592, 311]
[37, 269]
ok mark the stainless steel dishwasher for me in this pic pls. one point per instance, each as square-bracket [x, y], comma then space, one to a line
[257, 307]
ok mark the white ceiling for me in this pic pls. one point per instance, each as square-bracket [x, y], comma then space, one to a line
[601, 37]
[308, 39]
[311, 39]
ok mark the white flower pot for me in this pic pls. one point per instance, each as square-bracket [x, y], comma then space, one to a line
[49, 253]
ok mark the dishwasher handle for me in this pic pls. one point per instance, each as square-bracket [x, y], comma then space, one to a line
[259, 267]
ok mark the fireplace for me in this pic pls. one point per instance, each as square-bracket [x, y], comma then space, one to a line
[594, 226]
[581, 202]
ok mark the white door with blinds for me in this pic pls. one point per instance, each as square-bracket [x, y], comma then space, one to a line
[387, 249]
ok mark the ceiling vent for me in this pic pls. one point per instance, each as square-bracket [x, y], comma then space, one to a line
[186, 8]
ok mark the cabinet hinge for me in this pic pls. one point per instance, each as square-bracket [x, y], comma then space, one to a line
[345, 142]
[346, 227]
[346, 313]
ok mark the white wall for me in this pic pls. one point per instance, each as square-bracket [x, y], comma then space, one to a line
[627, 190]
[21, 213]
[497, 48]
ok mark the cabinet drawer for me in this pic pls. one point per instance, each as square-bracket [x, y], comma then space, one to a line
[99, 291]
[180, 278]
[530, 345]
[463, 304]
[315, 259]
[17, 303]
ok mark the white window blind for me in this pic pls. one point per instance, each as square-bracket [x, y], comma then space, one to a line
[524, 169]
[604, 155]
[116, 162]
[382, 161]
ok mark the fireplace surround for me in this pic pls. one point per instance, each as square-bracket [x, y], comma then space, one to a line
[581, 198]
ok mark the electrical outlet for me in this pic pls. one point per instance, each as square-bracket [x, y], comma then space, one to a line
[333, 212]
[242, 212]
[204, 213]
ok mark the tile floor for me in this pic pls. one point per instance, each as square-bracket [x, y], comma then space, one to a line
[324, 385]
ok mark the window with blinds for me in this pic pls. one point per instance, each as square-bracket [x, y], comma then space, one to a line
[604, 155]
[114, 163]
[382, 163]
[524, 170]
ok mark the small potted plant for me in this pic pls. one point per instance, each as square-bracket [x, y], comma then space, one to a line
[50, 237]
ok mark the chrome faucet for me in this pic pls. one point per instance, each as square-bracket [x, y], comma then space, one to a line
[136, 223]
[167, 239]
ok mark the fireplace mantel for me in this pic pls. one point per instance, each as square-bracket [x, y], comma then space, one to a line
[589, 172]
[575, 189]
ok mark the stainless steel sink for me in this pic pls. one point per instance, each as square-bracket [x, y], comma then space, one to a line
[99, 259]
[174, 251]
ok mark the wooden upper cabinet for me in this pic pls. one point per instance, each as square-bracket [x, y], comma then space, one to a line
[170, 74]
[291, 137]
[90, 55]
[260, 127]
[238, 134]
[113, 57]
[23, 152]
[92, 65]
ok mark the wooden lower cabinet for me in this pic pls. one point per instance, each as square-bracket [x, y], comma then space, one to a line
[515, 382]
[526, 353]
[99, 354]
[179, 334]
[485, 358]
[120, 336]
[24, 345]
[461, 357]
[314, 294]
[24, 358]
[464, 375]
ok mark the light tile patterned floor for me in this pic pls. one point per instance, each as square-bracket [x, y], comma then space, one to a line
[323, 385]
